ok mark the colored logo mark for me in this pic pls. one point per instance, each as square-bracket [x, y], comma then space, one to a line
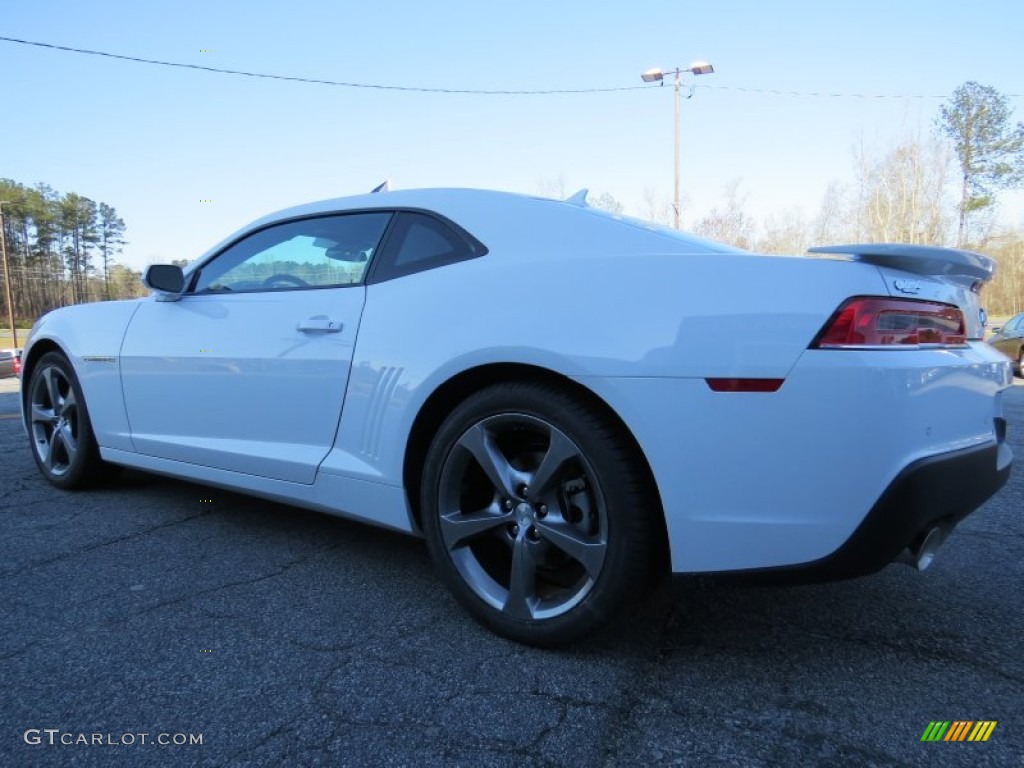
[959, 730]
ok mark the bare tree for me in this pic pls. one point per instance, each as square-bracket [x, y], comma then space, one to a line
[1004, 296]
[730, 223]
[657, 207]
[901, 195]
[553, 187]
[606, 202]
[833, 224]
[785, 232]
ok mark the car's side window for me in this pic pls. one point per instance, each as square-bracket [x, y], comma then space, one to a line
[419, 241]
[317, 252]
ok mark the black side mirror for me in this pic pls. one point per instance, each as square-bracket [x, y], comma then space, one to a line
[166, 279]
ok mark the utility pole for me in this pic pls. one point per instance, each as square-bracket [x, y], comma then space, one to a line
[658, 76]
[676, 200]
[7, 275]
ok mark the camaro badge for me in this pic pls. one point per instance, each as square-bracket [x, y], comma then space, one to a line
[904, 285]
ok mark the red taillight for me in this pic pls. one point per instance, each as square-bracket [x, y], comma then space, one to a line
[876, 322]
[17, 366]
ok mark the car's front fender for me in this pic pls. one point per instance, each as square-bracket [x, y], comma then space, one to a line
[90, 336]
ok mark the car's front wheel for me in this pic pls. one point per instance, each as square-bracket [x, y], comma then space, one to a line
[63, 444]
[537, 513]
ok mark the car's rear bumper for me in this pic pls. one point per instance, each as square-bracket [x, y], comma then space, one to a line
[937, 491]
[761, 481]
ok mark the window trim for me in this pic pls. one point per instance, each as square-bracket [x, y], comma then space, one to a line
[193, 276]
[383, 267]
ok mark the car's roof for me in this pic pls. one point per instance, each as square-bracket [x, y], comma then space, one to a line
[514, 223]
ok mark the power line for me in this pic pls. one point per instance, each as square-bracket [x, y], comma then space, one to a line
[315, 81]
[471, 91]
[825, 94]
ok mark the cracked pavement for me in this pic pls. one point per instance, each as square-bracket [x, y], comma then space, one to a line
[287, 637]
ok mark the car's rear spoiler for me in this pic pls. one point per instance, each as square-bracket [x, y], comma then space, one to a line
[920, 259]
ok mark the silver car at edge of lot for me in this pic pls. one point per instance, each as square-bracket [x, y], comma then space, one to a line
[1009, 339]
[9, 362]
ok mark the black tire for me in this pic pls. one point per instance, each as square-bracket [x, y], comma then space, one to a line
[1020, 363]
[63, 444]
[545, 565]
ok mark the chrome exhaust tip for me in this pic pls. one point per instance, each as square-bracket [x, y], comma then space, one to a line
[921, 554]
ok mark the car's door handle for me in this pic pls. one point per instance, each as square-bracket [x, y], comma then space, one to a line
[320, 323]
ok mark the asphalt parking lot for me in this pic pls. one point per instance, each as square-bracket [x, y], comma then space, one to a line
[287, 638]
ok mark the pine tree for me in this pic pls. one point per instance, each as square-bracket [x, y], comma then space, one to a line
[989, 147]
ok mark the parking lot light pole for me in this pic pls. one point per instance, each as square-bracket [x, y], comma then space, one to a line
[7, 275]
[658, 76]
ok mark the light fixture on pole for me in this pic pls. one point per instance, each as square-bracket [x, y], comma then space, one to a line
[658, 76]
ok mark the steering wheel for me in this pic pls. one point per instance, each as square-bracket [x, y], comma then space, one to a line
[285, 278]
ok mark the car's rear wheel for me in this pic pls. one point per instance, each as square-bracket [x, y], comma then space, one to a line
[537, 513]
[1020, 363]
[63, 444]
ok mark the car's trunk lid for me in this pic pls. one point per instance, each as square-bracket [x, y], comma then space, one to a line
[928, 272]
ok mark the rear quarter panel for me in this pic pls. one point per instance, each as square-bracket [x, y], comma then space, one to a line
[588, 317]
[757, 480]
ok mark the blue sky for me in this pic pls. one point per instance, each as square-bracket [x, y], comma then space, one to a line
[153, 141]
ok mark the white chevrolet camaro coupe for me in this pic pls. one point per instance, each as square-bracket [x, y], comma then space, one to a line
[563, 402]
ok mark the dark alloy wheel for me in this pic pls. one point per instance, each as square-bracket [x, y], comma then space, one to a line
[58, 422]
[536, 513]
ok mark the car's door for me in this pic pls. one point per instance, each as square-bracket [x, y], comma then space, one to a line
[1008, 340]
[247, 371]
[1017, 338]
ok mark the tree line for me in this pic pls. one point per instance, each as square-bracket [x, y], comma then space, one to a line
[61, 249]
